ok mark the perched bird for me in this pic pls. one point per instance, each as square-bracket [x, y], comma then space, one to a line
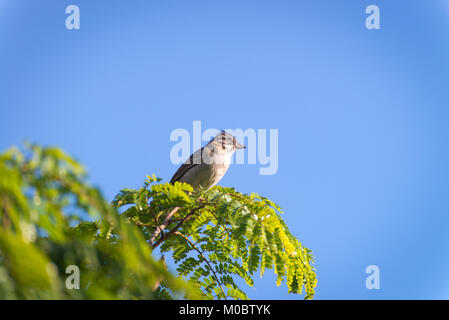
[207, 166]
[202, 170]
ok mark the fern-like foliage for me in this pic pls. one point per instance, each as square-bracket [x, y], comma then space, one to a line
[51, 218]
[217, 235]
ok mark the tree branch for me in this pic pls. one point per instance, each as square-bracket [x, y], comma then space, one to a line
[161, 228]
[172, 231]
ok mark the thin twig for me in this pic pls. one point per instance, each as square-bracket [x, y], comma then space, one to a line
[205, 260]
[145, 225]
[226, 229]
[237, 196]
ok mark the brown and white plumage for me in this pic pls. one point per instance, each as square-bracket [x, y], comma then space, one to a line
[207, 166]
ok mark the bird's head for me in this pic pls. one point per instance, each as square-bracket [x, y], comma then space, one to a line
[226, 142]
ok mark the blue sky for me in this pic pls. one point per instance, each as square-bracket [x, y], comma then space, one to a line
[362, 115]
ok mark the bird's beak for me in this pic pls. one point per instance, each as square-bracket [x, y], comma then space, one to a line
[240, 146]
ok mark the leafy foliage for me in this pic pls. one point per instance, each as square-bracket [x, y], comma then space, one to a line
[44, 202]
[50, 217]
[220, 234]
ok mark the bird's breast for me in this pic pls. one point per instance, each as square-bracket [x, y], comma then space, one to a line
[206, 175]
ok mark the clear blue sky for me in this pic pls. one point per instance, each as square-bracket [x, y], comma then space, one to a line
[362, 115]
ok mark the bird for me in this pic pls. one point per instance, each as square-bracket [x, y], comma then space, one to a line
[207, 166]
[203, 170]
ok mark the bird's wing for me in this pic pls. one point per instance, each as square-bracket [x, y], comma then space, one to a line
[193, 161]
